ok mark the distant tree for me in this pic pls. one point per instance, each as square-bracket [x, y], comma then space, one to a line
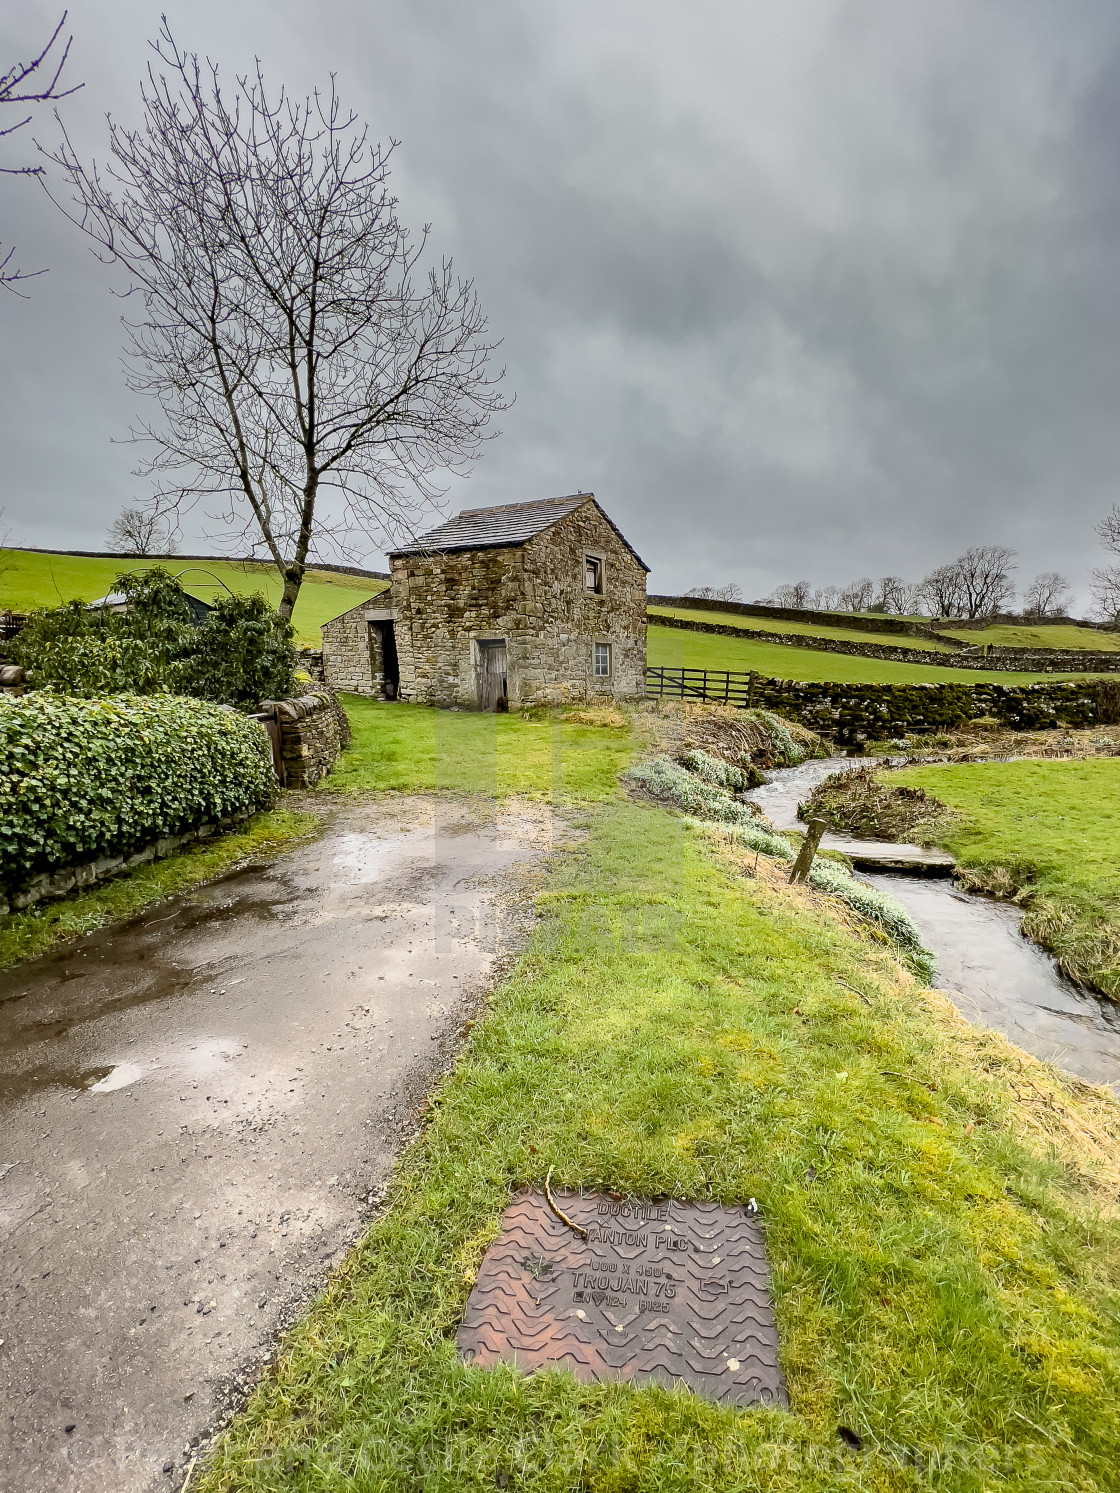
[1106, 580]
[140, 531]
[24, 84]
[890, 594]
[1048, 595]
[797, 594]
[857, 596]
[306, 378]
[730, 592]
[826, 599]
[942, 593]
[977, 584]
[986, 579]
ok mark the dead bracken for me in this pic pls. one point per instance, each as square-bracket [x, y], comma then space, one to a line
[858, 801]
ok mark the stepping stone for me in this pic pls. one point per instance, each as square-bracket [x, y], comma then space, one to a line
[883, 855]
[666, 1291]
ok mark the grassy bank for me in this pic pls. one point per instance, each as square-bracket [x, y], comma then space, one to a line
[1046, 833]
[837, 632]
[29, 580]
[412, 748]
[673, 647]
[1042, 635]
[24, 935]
[945, 1283]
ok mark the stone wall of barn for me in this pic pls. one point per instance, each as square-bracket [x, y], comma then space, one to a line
[533, 596]
[347, 661]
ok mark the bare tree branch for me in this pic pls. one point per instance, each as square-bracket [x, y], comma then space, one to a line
[28, 83]
[303, 352]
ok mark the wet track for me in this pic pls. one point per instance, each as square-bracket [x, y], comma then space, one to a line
[197, 1109]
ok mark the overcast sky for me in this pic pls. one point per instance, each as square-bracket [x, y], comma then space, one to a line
[812, 290]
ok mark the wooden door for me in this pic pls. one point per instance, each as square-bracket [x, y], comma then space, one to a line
[492, 676]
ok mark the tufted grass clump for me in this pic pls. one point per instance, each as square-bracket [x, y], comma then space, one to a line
[720, 774]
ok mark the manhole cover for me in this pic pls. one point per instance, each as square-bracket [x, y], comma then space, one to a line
[669, 1291]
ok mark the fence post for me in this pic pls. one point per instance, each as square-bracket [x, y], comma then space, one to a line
[808, 850]
[751, 677]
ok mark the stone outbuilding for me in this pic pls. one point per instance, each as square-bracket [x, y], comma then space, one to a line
[525, 604]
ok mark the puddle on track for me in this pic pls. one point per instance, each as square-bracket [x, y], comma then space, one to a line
[994, 976]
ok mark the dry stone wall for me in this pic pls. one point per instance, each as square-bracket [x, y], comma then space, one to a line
[313, 731]
[1014, 660]
[852, 714]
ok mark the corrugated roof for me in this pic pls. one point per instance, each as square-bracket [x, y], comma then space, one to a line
[507, 525]
[490, 528]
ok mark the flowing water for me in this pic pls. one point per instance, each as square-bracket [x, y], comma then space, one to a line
[993, 975]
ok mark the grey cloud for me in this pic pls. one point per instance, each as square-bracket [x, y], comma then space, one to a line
[817, 290]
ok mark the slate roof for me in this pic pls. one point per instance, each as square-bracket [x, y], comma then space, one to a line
[502, 527]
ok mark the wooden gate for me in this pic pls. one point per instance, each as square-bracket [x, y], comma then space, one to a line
[492, 676]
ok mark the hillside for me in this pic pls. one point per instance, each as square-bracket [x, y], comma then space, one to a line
[674, 647]
[30, 579]
[1041, 635]
[811, 629]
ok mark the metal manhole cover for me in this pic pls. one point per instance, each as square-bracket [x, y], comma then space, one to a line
[678, 1292]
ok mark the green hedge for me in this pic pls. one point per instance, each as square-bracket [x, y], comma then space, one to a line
[83, 779]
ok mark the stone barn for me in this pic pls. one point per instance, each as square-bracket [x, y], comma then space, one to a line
[526, 604]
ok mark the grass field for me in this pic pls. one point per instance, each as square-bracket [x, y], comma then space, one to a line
[29, 580]
[810, 629]
[946, 1285]
[1004, 635]
[411, 748]
[670, 646]
[1048, 832]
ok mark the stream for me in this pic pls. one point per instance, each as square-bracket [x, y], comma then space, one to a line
[994, 976]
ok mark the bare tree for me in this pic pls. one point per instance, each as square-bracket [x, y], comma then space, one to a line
[857, 596]
[1106, 581]
[797, 595]
[890, 594]
[943, 593]
[1109, 530]
[977, 584]
[1048, 595]
[1106, 593]
[140, 531]
[730, 592]
[297, 361]
[30, 83]
[986, 582]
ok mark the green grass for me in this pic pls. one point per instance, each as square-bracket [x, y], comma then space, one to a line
[29, 580]
[1048, 833]
[944, 1285]
[1006, 635]
[25, 935]
[810, 629]
[412, 748]
[673, 647]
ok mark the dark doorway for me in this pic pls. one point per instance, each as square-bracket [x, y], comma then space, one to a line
[492, 676]
[383, 659]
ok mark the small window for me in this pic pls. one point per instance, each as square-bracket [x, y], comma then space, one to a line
[593, 575]
[602, 660]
